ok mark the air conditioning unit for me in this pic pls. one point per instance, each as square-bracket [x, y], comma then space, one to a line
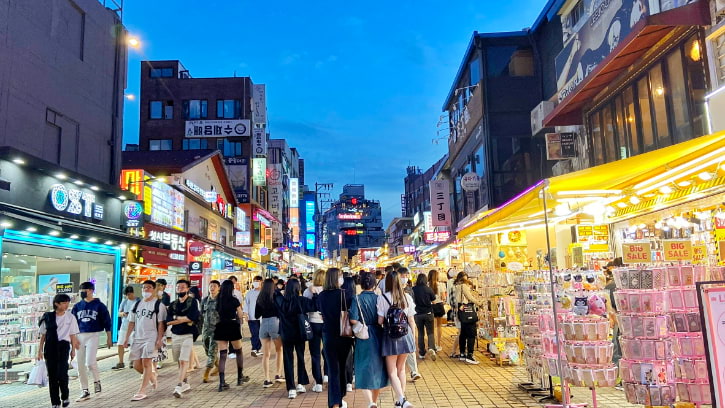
[540, 112]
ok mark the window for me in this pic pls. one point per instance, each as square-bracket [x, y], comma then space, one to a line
[203, 227]
[161, 110]
[577, 13]
[228, 108]
[648, 138]
[697, 80]
[660, 108]
[195, 109]
[160, 144]
[161, 72]
[631, 122]
[608, 137]
[622, 135]
[510, 61]
[195, 144]
[718, 47]
[230, 149]
[678, 95]
[223, 236]
[475, 70]
[596, 138]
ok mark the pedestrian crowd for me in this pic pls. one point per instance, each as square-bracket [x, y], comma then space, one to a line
[361, 331]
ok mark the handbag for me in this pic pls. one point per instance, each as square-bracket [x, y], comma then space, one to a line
[439, 310]
[360, 328]
[345, 327]
[467, 313]
[305, 326]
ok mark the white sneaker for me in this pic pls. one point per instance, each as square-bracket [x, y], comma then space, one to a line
[433, 355]
[232, 356]
[324, 379]
[415, 376]
[177, 391]
[292, 394]
[317, 388]
[301, 389]
[185, 387]
[344, 404]
[349, 388]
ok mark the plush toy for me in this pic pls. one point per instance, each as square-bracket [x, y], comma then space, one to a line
[581, 306]
[597, 305]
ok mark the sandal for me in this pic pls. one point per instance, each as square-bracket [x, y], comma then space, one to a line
[139, 397]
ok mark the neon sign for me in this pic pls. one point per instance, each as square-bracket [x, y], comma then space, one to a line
[75, 202]
[349, 216]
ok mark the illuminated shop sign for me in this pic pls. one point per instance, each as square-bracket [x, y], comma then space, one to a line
[259, 172]
[133, 214]
[76, 202]
[241, 219]
[441, 236]
[176, 241]
[294, 192]
[310, 242]
[242, 238]
[165, 205]
[310, 216]
[349, 216]
[193, 187]
[354, 232]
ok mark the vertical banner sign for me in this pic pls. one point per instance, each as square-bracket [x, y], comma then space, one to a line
[259, 107]
[259, 142]
[713, 300]
[275, 195]
[259, 172]
[677, 250]
[294, 193]
[440, 203]
[637, 253]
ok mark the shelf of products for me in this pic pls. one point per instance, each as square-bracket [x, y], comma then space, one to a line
[19, 319]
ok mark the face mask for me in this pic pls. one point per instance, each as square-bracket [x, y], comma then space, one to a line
[181, 294]
[308, 284]
[404, 281]
[147, 295]
[160, 293]
[84, 294]
[255, 285]
[340, 281]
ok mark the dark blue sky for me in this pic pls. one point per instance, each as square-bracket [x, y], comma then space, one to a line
[357, 87]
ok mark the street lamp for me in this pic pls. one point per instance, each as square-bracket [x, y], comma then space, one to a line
[133, 42]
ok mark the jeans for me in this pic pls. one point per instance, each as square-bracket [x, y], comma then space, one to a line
[288, 351]
[412, 363]
[87, 358]
[254, 329]
[336, 351]
[467, 339]
[424, 323]
[316, 352]
[56, 361]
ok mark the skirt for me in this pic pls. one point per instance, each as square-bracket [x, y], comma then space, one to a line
[396, 347]
[228, 330]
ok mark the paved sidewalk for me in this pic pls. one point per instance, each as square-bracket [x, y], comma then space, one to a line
[445, 383]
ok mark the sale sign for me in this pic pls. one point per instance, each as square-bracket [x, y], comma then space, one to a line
[677, 250]
[637, 253]
[699, 254]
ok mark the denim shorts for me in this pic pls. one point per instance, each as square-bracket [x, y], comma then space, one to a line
[269, 328]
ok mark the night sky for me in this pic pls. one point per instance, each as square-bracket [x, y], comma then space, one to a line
[357, 87]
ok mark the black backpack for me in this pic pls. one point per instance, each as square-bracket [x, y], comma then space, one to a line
[156, 309]
[396, 321]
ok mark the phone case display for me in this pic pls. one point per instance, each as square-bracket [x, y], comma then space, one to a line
[536, 318]
[502, 318]
[19, 317]
[663, 354]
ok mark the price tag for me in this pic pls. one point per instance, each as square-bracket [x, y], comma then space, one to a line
[64, 288]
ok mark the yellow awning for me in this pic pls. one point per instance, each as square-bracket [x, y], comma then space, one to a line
[640, 172]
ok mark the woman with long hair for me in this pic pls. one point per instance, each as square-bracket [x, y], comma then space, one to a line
[331, 302]
[439, 289]
[269, 330]
[318, 281]
[291, 307]
[228, 332]
[396, 347]
[371, 374]
[463, 295]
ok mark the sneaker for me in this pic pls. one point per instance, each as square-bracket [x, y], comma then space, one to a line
[344, 404]
[85, 396]
[267, 384]
[349, 388]
[279, 378]
[55, 406]
[118, 366]
[232, 356]
[301, 389]
[317, 388]
[439, 349]
[158, 366]
[324, 379]
[66, 403]
[470, 360]
[97, 387]
[292, 394]
[177, 391]
[433, 355]
[185, 387]
[421, 356]
[461, 358]
[415, 376]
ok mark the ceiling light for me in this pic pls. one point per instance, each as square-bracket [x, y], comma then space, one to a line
[642, 226]
[74, 236]
[622, 205]
[78, 182]
[594, 209]
[31, 229]
[18, 160]
[562, 210]
[109, 242]
[666, 190]
[92, 239]
[684, 183]
[6, 224]
[134, 247]
[61, 176]
[705, 176]
[588, 192]
[658, 225]
[54, 233]
[632, 228]
[94, 188]
[122, 197]
[634, 200]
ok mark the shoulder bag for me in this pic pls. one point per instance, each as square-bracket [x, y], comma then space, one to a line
[345, 327]
[360, 328]
[305, 326]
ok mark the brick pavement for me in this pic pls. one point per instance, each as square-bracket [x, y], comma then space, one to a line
[445, 383]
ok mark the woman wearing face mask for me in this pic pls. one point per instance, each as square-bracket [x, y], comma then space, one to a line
[315, 288]
[331, 302]
[269, 330]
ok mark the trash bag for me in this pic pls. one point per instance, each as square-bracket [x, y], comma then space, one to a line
[39, 374]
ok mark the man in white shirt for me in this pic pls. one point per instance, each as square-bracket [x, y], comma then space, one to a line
[147, 326]
[250, 305]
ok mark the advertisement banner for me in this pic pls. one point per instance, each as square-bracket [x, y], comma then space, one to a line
[637, 253]
[259, 142]
[310, 216]
[560, 146]
[259, 107]
[159, 256]
[242, 238]
[440, 203]
[174, 239]
[166, 205]
[609, 22]
[275, 192]
[217, 128]
[259, 172]
[294, 192]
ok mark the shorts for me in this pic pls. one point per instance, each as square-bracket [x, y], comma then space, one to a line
[122, 335]
[269, 328]
[181, 346]
[143, 349]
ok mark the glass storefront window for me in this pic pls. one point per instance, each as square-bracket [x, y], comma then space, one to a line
[660, 108]
[678, 96]
[596, 139]
[608, 136]
[631, 121]
[697, 79]
[648, 138]
[622, 136]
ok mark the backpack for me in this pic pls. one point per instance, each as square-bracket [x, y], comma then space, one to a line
[396, 321]
[156, 309]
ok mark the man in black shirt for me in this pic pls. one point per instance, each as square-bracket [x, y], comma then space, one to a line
[182, 317]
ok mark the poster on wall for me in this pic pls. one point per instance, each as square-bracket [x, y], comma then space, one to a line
[560, 146]
[47, 283]
[713, 309]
